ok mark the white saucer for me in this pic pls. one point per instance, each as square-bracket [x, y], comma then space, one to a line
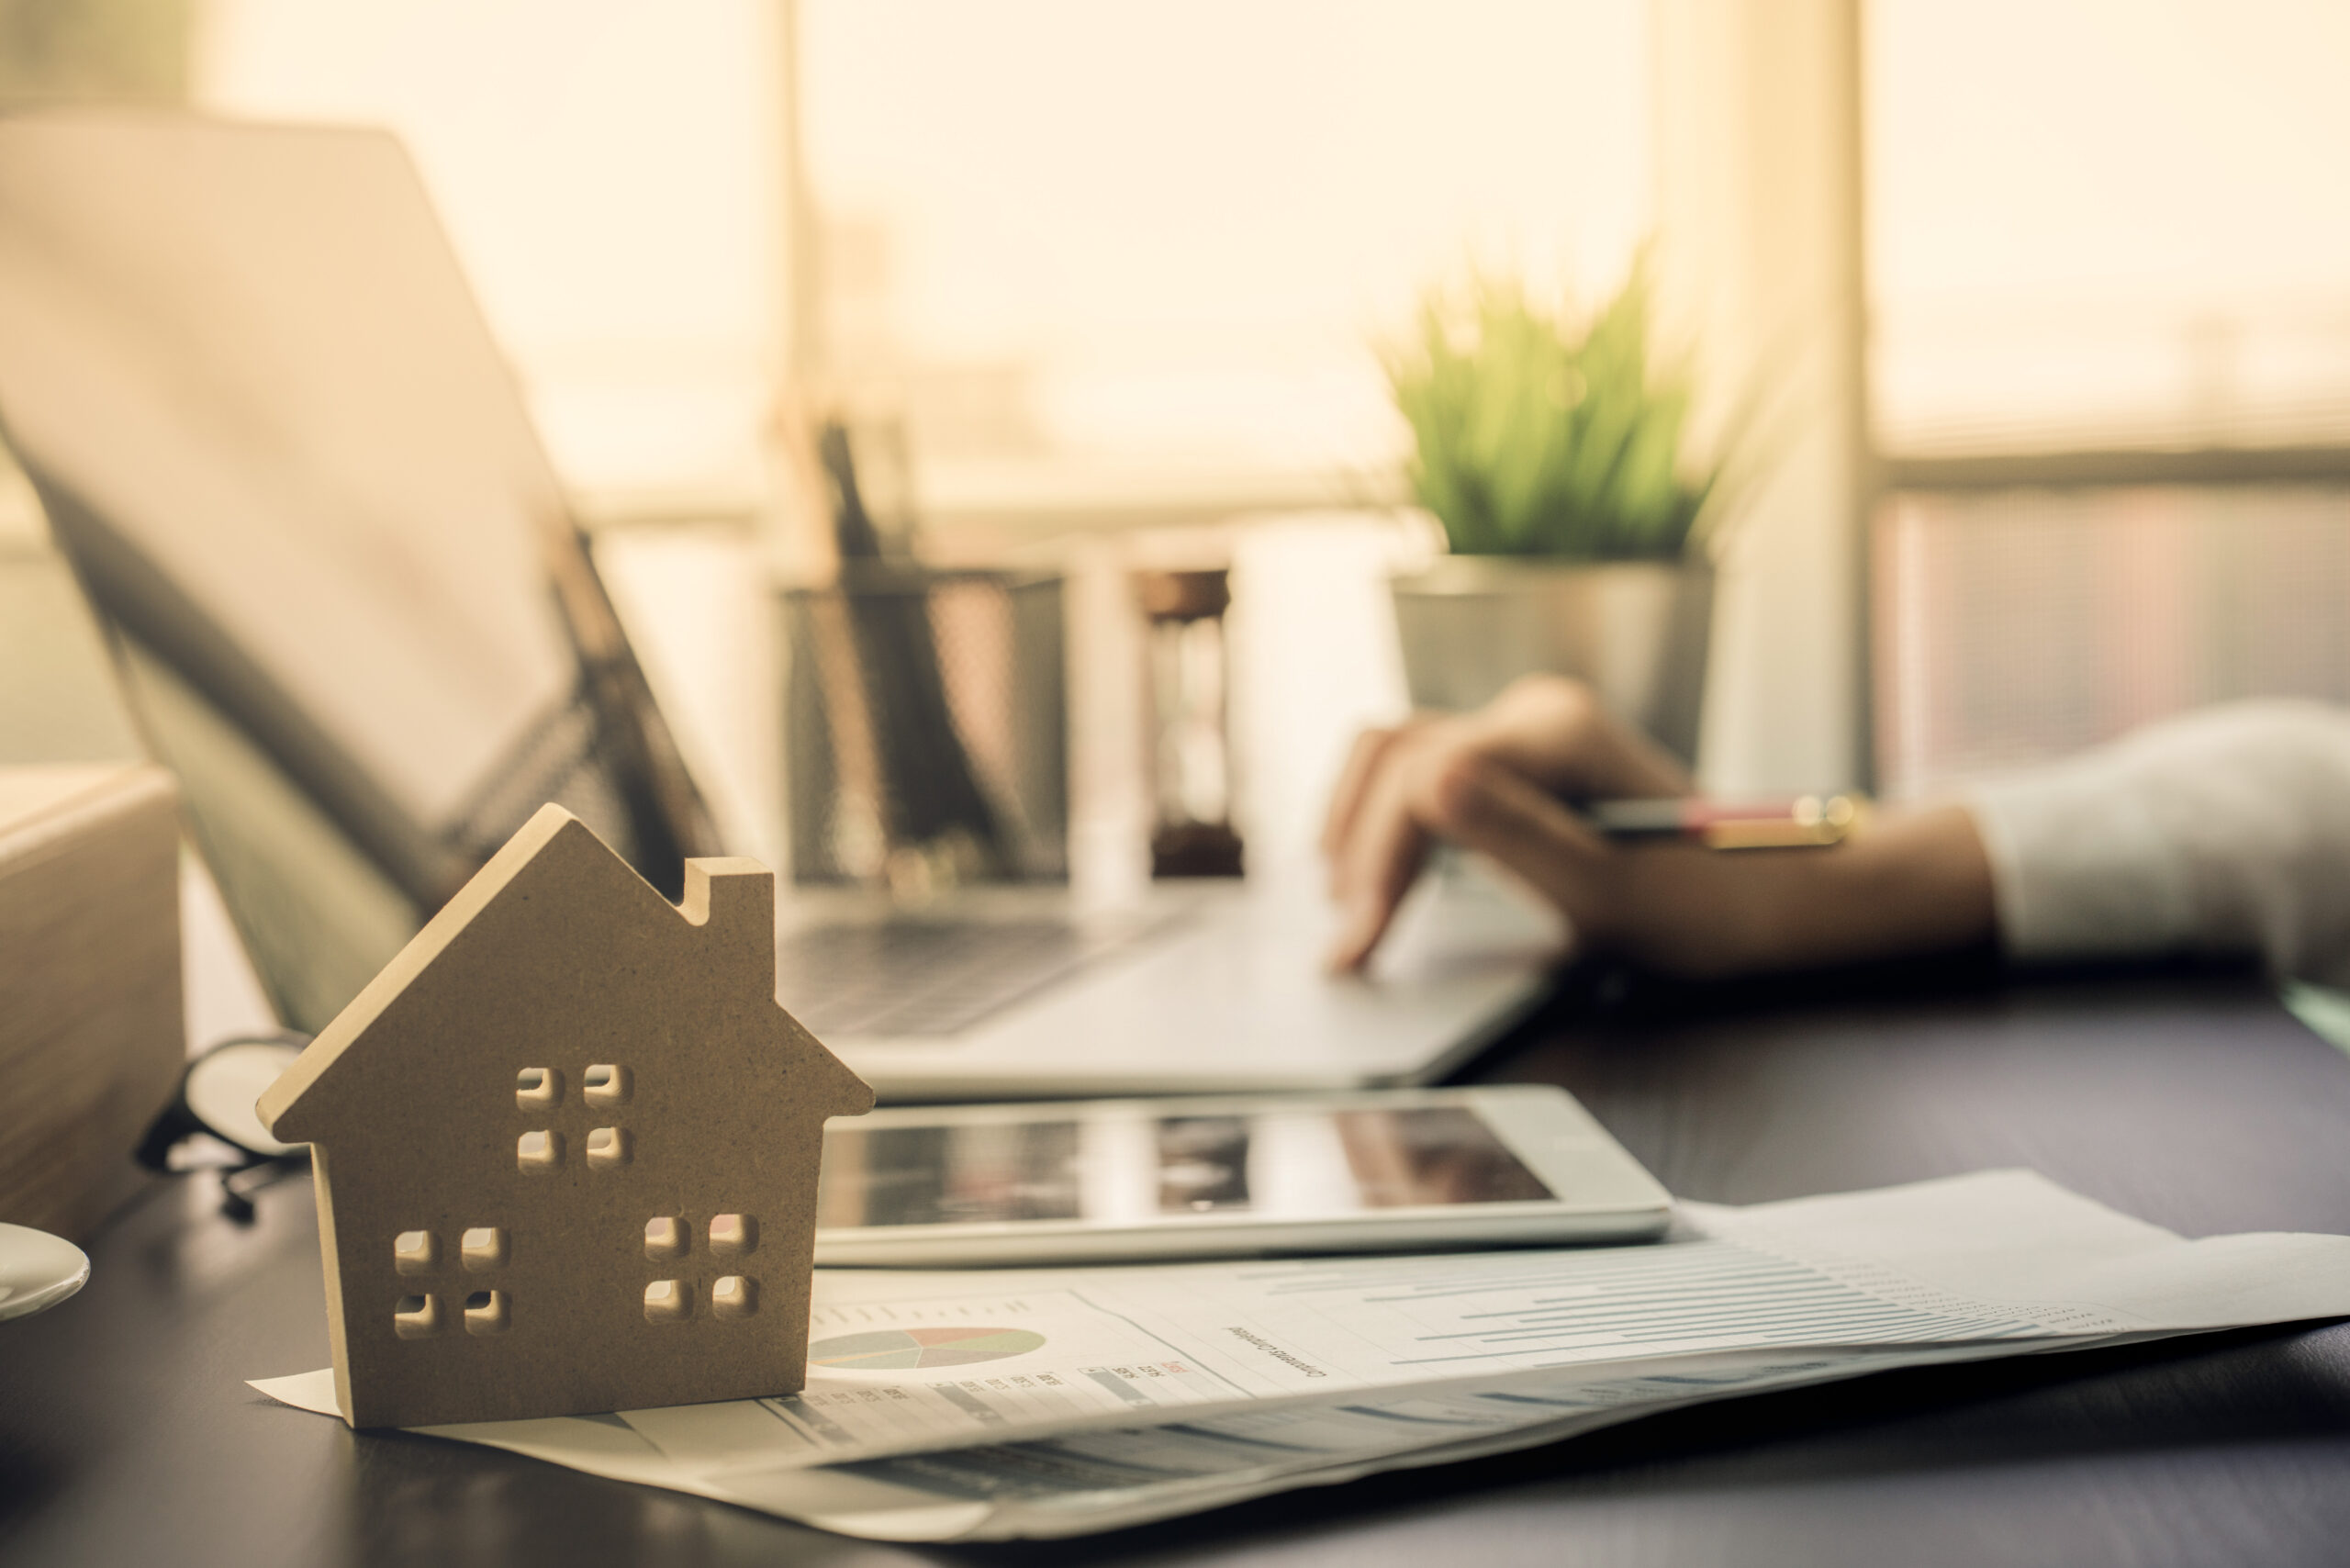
[37, 1270]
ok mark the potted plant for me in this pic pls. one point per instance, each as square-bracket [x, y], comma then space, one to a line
[1551, 450]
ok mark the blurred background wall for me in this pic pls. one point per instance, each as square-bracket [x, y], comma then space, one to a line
[2048, 304]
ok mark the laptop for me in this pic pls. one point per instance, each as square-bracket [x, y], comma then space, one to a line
[275, 438]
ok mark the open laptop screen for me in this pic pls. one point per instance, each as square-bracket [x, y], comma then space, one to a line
[273, 431]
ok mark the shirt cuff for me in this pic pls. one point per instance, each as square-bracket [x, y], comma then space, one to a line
[2079, 867]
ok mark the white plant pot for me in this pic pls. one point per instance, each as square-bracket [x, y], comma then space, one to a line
[1635, 630]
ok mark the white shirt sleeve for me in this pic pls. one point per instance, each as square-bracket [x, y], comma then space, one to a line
[2224, 831]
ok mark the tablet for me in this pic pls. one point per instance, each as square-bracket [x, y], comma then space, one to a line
[1127, 1180]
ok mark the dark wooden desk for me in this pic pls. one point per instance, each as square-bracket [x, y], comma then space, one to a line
[127, 1436]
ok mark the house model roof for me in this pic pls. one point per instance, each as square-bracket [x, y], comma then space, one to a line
[552, 914]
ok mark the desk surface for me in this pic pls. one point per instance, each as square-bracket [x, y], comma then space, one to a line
[126, 1434]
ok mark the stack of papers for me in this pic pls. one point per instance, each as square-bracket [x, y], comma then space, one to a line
[998, 1405]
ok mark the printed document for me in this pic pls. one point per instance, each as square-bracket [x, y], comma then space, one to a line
[993, 1404]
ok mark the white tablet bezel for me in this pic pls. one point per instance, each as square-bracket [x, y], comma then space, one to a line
[1612, 1198]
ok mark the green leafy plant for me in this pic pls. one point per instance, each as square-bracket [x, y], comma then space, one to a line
[1539, 435]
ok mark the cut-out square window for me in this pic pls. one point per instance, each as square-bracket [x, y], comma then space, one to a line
[483, 1249]
[607, 1149]
[415, 1252]
[538, 1088]
[733, 1235]
[733, 1296]
[668, 1300]
[486, 1313]
[665, 1238]
[417, 1316]
[605, 1084]
[539, 1152]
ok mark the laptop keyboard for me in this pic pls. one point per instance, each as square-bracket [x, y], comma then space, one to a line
[918, 978]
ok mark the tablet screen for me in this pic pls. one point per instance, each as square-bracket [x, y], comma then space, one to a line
[1133, 1168]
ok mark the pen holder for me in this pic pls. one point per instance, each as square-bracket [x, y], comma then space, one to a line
[926, 728]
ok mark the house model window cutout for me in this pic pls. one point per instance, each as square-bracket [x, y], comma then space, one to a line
[566, 1146]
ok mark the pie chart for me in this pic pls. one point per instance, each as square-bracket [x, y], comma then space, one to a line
[897, 1350]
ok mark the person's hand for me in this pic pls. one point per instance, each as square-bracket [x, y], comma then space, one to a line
[1499, 769]
[1494, 780]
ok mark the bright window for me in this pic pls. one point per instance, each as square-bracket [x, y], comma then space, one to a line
[2108, 222]
[608, 172]
[1088, 249]
[1068, 245]
[2098, 226]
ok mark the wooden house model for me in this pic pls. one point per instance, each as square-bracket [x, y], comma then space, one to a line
[566, 1146]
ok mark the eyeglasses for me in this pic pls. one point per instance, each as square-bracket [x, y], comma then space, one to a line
[215, 1102]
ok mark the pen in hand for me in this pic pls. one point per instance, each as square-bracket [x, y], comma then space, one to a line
[1808, 822]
